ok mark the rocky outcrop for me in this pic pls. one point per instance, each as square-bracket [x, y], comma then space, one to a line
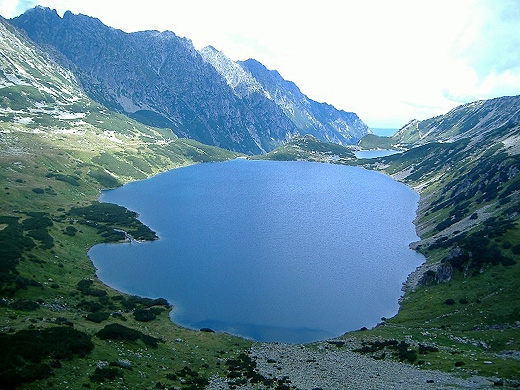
[439, 273]
[428, 274]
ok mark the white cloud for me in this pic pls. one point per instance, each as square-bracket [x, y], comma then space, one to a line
[467, 85]
[9, 8]
[389, 61]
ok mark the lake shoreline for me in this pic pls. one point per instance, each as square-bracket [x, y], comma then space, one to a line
[188, 326]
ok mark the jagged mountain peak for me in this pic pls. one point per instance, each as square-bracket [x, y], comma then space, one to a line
[322, 120]
[41, 9]
[257, 67]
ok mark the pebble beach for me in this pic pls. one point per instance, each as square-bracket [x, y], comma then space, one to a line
[327, 367]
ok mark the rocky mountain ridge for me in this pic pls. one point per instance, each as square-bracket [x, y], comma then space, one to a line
[321, 120]
[239, 79]
[472, 120]
[161, 80]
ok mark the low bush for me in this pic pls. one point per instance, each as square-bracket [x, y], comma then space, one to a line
[25, 305]
[144, 315]
[401, 350]
[375, 346]
[36, 221]
[42, 235]
[102, 374]
[107, 216]
[507, 261]
[13, 244]
[424, 349]
[98, 316]
[90, 306]
[120, 332]
[405, 354]
[192, 379]
[23, 353]
[70, 231]
[69, 179]
[85, 286]
[13, 378]
[133, 302]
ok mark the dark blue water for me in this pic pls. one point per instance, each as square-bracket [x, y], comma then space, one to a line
[374, 153]
[272, 251]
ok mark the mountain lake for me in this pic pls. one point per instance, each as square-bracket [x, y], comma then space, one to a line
[374, 153]
[271, 251]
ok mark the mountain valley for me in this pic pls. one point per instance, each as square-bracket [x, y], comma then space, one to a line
[77, 117]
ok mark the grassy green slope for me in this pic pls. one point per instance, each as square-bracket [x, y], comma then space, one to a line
[308, 148]
[57, 150]
[468, 300]
[372, 141]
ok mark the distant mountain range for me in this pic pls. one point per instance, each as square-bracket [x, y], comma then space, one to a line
[160, 79]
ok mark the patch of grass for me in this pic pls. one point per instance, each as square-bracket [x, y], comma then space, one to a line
[105, 179]
[118, 166]
[372, 141]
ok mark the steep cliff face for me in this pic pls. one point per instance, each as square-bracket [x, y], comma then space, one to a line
[160, 79]
[321, 120]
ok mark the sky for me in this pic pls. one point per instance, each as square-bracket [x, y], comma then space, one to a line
[389, 61]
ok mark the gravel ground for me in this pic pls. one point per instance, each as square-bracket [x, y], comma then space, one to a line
[328, 367]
